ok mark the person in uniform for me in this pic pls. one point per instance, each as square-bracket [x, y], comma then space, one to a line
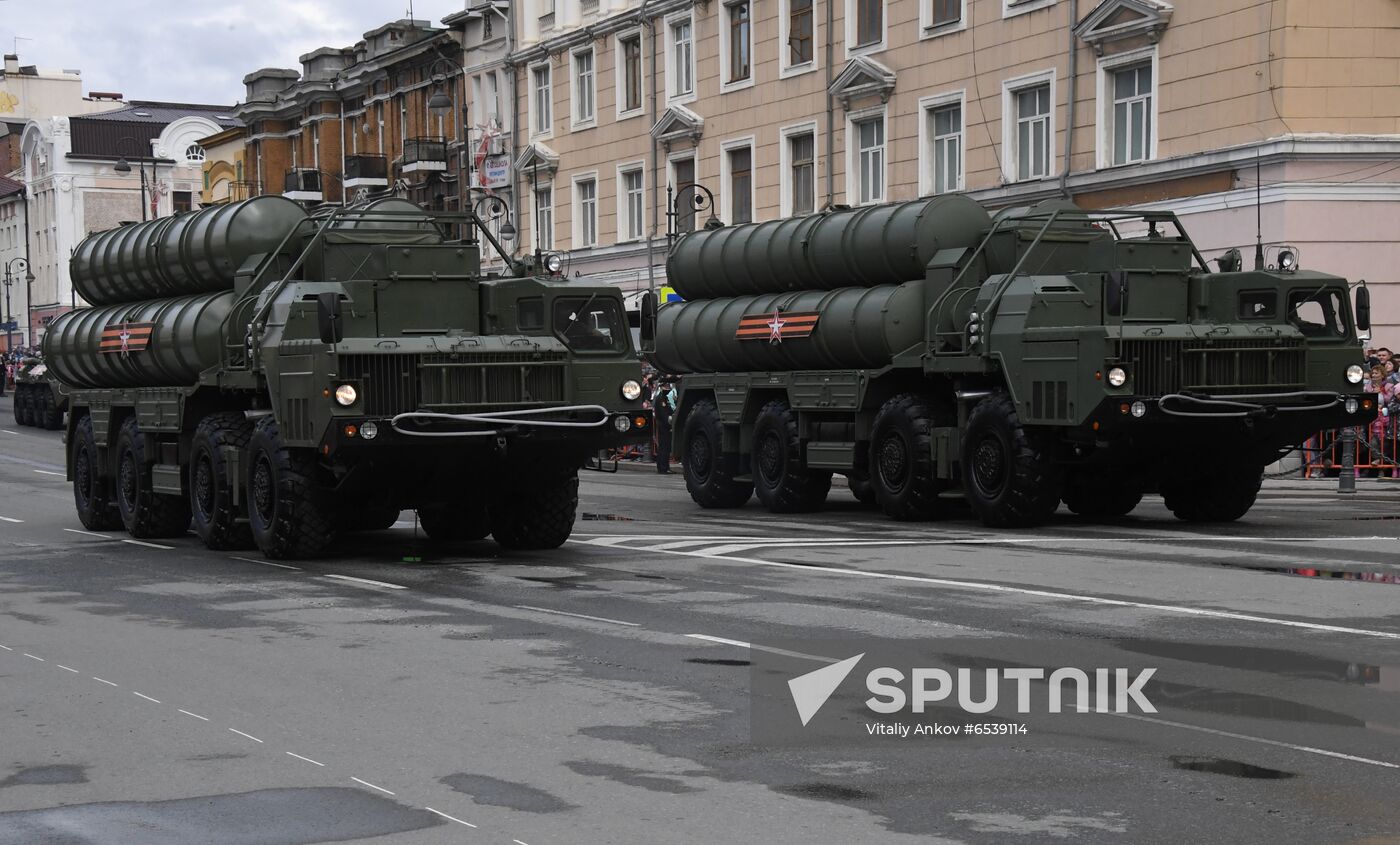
[663, 405]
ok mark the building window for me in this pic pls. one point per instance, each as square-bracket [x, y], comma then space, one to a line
[546, 14]
[181, 202]
[631, 215]
[802, 172]
[946, 13]
[683, 179]
[870, 159]
[630, 49]
[1032, 113]
[1131, 119]
[584, 91]
[585, 213]
[740, 41]
[739, 163]
[945, 134]
[682, 58]
[194, 152]
[800, 37]
[542, 101]
[544, 216]
[870, 22]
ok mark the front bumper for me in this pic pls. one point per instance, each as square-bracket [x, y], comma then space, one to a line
[1277, 420]
[575, 428]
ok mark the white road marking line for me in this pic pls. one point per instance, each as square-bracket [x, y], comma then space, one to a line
[48, 472]
[371, 786]
[10, 519]
[265, 563]
[147, 697]
[307, 759]
[147, 545]
[577, 615]
[196, 715]
[1274, 742]
[366, 581]
[1047, 594]
[90, 533]
[8, 431]
[249, 736]
[742, 644]
[67, 669]
[449, 818]
[518, 842]
[7, 648]
[103, 681]
[32, 657]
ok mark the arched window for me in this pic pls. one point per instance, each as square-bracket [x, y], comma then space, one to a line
[194, 152]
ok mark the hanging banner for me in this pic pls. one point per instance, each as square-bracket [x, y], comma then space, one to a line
[495, 172]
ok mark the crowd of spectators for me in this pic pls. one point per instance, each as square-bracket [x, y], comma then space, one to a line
[1382, 379]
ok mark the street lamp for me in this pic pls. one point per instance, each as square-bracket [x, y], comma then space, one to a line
[9, 312]
[507, 230]
[123, 167]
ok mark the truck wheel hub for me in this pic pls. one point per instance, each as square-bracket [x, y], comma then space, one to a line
[698, 457]
[989, 466]
[894, 463]
[262, 491]
[126, 480]
[770, 458]
[204, 486]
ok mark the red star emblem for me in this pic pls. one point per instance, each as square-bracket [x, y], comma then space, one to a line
[776, 325]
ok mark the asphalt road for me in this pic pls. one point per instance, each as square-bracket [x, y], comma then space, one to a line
[155, 693]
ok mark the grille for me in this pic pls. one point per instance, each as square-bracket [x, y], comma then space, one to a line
[1050, 399]
[1167, 366]
[393, 384]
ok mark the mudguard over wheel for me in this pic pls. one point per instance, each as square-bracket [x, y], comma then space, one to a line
[1100, 496]
[901, 459]
[289, 511]
[1223, 494]
[458, 522]
[709, 471]
[1009, 475]
[781, 479]
[92, 488]
[144, 512]
[217, 520]
[537, 516]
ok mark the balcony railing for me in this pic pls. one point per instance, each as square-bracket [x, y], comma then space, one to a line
[424, 154]
[300, 180]
[366, 167]
[238, 191]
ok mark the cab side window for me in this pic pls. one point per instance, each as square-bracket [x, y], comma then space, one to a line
[1316, 313]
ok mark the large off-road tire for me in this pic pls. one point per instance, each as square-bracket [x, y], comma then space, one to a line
[1100, 496]
[709, 471]
[862, 489]
[902, 472]
[1223, 492]
[144, 512]
[92, 487]
[539, 514]
[24, 404]
[781, 479]
[18, 406]
[461, 522]
[1009, 475]
[49, 415]
[220, 523]
[290, 512]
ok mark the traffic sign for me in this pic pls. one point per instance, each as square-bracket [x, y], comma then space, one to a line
[10, 326]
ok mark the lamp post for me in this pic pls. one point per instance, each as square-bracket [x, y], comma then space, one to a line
[507, 230]
[123, 167]
[9, 312]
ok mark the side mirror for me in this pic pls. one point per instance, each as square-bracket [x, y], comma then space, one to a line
[1115, 293]
[1363, 307]
[328, 317]
[648, 327]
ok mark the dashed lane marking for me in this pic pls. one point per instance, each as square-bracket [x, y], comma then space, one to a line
[33, 657]
[147, 545]
[577, 615]
[48, 472]
[242, 734]
[196, 715]
[307, 759]
[742, 644]
[450, 818]
[1261, 740]
[103, 681]
[143, 695]
[67, 668]
[10, 519]
[366, 582]
[8, 431]
[265, 563]
[7, 648]
[90, 533]
[372, 786]
[986, 586]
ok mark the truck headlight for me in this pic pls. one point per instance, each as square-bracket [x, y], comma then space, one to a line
[631, 390]
[1117, 376]
[346, 395]
[369, 429]
[553, 262]
[1352, 405]
[622, 424]
[1355, 374]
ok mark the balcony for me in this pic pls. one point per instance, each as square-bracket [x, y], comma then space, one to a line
[424, 155]
[244, 190]
[303, 185]
[366, 171]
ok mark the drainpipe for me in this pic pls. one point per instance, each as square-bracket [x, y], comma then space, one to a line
[29, 273]
[655, 164]
[1073, 93]
[830, 109]
[344, 200]
[514, 124]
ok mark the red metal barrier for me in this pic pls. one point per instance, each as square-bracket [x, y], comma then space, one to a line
[1377, 451]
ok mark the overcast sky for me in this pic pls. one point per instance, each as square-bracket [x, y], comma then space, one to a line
[193, 51]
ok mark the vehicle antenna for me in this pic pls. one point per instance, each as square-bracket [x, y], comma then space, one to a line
[1258, 214]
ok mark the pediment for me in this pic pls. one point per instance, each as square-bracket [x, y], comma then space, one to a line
[1115, 20]
[676, 123]
[537, 158]
[862, 77]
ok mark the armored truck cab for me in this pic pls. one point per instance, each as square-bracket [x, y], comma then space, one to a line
[1048, 354]
[305, 376]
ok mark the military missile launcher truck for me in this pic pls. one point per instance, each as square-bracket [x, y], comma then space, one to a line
[278, 378]
[1049, 354]
[37, 402]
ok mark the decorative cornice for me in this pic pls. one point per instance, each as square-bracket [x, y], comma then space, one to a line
[862, 77]
[1115, 20]
[537, 157]
[678, 123]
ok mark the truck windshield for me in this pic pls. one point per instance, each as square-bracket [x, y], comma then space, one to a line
[591, 324]
[1316, 313]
